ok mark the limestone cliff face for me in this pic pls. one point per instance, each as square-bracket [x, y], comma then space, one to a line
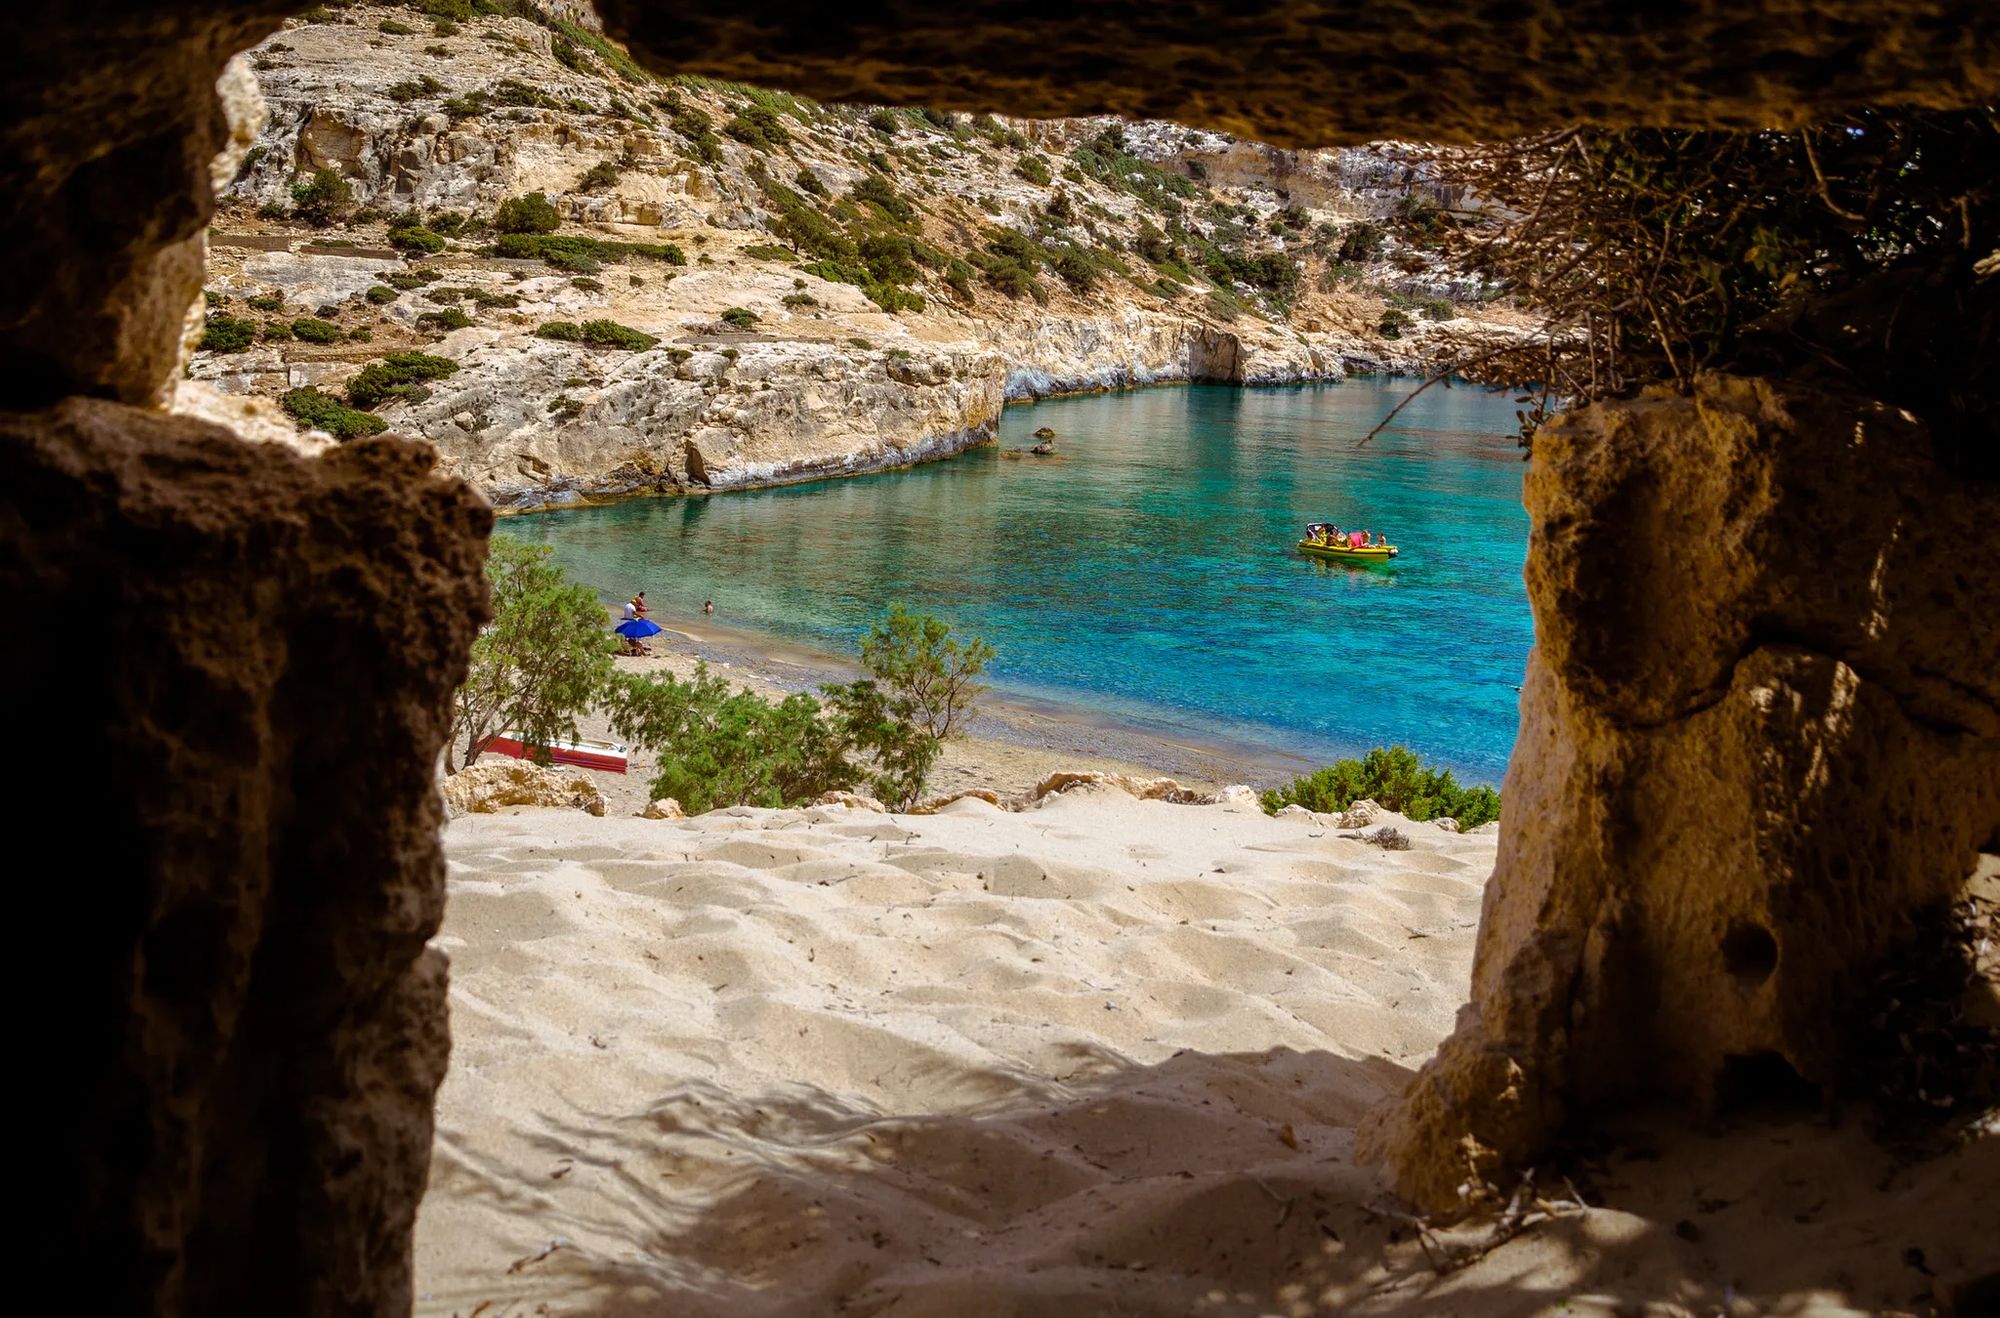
[1124, 281]
[709, 419]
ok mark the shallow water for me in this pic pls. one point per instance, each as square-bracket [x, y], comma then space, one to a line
[1147, 572]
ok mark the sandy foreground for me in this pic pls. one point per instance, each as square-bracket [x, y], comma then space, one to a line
[1101, 1056]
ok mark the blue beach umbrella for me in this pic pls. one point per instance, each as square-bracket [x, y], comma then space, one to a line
[637, 629]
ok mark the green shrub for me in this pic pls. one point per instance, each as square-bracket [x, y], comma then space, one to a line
[1393, 323]
[451, 318]
[544, 658]
[1035, 169]
[396, 376]
[381, 295]
[799, 301]
[272, 301]
[1392, 777]
[415, 240]
[758, 126]
[739, 318]
[584, 283]
[226, 333]
[1360, 243]
[311, 329]
[768, 252]
[884, 121]
[810, 182]
[603, 174]
[575, 254]
[361, 334]
[879, 192]
[447, 10]
[402, 93]
[409, 279]
[599, 334]
[391, 28]
[323, 198]
[1437, 308]
[314, 410]
[531, 214]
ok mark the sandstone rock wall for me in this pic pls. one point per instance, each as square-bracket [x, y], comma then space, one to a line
[1761, 725]
[233, 665]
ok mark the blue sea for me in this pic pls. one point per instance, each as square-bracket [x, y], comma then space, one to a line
[1147, 573]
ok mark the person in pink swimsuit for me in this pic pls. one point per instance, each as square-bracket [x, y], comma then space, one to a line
[1356, 539]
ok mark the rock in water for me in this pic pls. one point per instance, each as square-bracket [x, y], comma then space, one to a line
[490, 787]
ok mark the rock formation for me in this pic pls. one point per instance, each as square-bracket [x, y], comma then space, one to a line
[1761, 726]
[248, 653]
[236, 662]
[498, 784]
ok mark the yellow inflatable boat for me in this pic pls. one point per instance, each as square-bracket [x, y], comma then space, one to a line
[1319, 544]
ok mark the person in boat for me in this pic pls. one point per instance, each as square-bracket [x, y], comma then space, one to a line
[1356, 539]
[1380, 541]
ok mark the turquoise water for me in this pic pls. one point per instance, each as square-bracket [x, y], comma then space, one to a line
[1147, 573]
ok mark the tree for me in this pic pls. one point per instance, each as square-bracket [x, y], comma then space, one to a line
[544, 659]
[323, 198]
[930, 677]
[534, 213]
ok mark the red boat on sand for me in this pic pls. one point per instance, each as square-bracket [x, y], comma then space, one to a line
[583, 753]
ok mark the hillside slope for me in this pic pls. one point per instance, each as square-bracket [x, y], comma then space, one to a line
[621, 284]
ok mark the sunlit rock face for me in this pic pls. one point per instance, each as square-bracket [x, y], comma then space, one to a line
[1761, 726]
[1324, 72]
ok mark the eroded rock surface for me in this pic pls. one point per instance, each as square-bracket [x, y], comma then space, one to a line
[1328, 71]
[496, 784]
[1760, 725]
[236, 662]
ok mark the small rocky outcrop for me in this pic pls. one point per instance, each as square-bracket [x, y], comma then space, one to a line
[496, 784]
[852, 801]
[664, 807]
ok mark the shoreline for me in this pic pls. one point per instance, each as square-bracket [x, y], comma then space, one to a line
[607, 499]
[1012, 742]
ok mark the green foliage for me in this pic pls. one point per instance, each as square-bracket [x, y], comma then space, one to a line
[884, 121]
[271, 301]
[322, 198]
[381, 294]
[811, 182]
[402, 93]
[578, 255]
[221, 332]
[930, 675]
[1437, 308]
[603, 174]
[799, 301]
[544, 658]
[532, 214]
[314, 410]
[1360, 243]
[392, 28]
[415, 240]
[1106, 159]
[1035, 169]
[396, 376]
[620, 63]
[598, 333]
[881, 193]
[405, 280]
[1392, 777]
[451, 318]
[1394, 321]
[767, 252]
[311, 329]
[739, 318]
[759, 127]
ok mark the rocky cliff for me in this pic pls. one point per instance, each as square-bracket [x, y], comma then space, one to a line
[780, 290]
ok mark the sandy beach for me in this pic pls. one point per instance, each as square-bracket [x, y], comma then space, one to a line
[1097, 1056]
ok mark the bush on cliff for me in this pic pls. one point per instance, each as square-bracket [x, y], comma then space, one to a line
[415, 239]
[311, 329]
[225, 333]
[544, 658]
[597, 333]
[534, 213]
[314, 410]
[1394, 777]
[399, 375]
[323, 198]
